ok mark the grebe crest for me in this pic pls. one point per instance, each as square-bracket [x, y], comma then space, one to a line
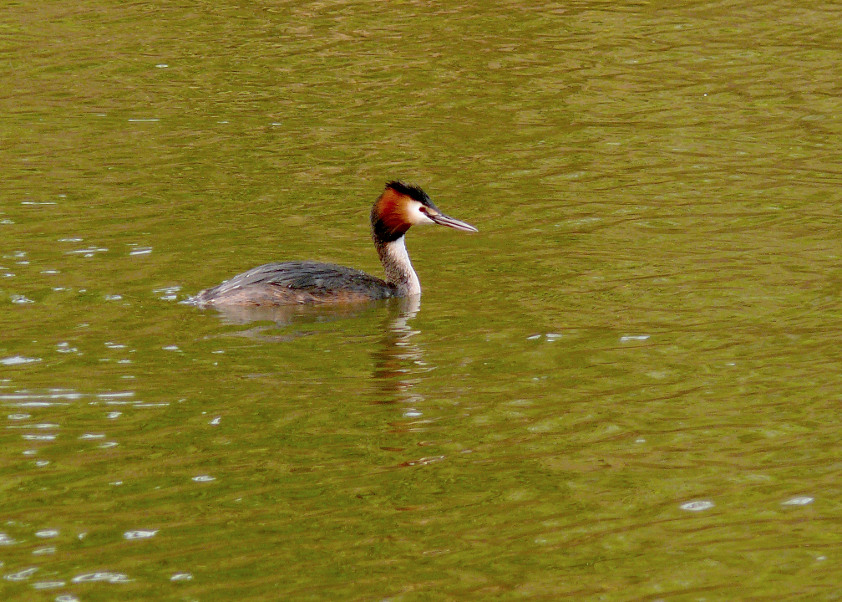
[399, 207]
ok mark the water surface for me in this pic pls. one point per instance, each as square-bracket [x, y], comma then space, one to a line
[625, 387]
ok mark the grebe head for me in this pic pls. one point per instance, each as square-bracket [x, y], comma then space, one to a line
[402, 206]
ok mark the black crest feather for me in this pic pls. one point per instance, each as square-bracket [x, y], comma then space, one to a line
[411, 190]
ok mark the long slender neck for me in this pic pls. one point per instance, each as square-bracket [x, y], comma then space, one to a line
[398, 268]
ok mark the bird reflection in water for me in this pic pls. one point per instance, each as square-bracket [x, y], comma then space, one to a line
[398, 360]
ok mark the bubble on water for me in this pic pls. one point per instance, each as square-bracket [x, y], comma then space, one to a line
[203, 478]
[47, 533]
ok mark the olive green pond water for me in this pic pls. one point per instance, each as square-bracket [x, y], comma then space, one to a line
[626, 386]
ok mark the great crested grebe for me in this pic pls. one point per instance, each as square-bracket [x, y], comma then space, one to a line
[400, 207]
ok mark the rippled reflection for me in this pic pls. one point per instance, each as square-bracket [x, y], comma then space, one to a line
[397, 358]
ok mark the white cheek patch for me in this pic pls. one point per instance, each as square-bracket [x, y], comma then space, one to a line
[416, 216]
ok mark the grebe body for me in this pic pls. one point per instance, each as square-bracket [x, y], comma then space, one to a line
[400, 207]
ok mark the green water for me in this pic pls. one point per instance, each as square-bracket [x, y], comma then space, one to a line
[625, 387]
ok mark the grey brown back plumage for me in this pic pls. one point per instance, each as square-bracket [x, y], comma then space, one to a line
[298, 282]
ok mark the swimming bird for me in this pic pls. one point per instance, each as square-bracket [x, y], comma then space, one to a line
[399, 207]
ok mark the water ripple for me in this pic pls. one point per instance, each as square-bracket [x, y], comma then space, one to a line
[17, 360]
[697, 506]
[105, 576]
[139, 534]
[21, 575]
